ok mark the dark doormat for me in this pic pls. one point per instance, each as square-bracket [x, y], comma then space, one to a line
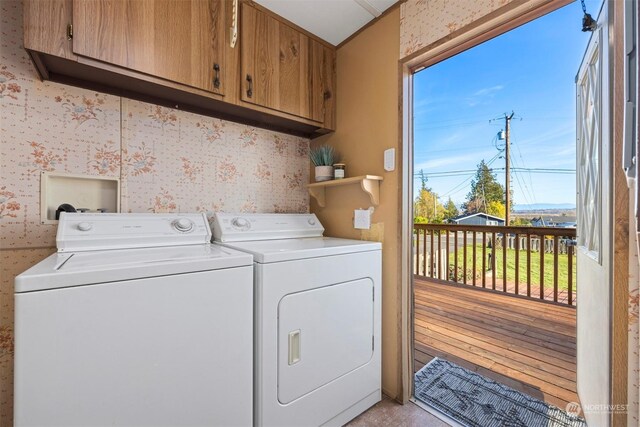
[476, 401]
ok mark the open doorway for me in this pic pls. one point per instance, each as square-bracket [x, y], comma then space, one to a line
[494, 240]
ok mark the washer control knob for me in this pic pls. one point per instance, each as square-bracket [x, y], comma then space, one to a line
[311, 221]
[183, 224]
[85, 226]
[240, 223]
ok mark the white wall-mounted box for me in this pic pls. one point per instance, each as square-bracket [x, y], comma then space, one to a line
[80, 191]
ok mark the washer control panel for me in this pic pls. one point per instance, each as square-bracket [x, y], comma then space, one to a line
[87, 231]
[183, 225]
[240, 223]
[238, 227]
[85, 226]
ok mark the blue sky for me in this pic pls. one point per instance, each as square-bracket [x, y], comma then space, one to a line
[531, 71]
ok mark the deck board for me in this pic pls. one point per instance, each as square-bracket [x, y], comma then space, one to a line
[525, 344]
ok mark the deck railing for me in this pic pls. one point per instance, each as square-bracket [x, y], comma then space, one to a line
[539, 262]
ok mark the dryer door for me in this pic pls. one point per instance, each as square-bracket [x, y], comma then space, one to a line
[323, 333]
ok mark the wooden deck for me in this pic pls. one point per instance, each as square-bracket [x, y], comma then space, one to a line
[525, 344]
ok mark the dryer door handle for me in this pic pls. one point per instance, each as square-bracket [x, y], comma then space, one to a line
[294, 347]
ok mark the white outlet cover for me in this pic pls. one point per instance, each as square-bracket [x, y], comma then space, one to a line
[390, 159]
[362, 219]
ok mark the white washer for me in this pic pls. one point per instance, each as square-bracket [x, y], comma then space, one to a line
[317, 318]
[137, 320]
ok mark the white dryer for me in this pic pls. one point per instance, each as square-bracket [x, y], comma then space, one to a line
[317, 318]
[137, 320]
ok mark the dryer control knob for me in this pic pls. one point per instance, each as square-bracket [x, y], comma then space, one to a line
[85, 226]
[183, 224]
[240, 223]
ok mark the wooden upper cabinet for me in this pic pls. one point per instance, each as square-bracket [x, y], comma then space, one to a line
[259, 47]
[179, 53]
[284, 69]
[178, 40]
[323, 71]
[47, 27]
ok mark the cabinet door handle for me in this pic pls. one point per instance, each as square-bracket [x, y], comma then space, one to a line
[250, 86]
[216, 78]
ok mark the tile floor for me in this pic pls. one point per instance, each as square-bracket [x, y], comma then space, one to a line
[388, 412]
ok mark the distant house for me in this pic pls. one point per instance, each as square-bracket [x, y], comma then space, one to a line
[541, 222]
[554, 221]
[479, 218]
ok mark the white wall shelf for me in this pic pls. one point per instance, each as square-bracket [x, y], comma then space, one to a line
[370, 184]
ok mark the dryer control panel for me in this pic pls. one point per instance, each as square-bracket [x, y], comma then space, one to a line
[86, 231]
[241, 227]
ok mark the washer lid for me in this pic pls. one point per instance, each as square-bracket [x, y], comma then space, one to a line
[266, 251]
[62, 270]
[242, 227]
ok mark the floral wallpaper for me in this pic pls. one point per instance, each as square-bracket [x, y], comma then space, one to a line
[215, 165]
[167, 160]
[423, 22]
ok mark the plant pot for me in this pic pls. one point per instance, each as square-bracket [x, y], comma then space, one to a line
[324, 173]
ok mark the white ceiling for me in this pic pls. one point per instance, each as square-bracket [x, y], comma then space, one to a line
[331, 20]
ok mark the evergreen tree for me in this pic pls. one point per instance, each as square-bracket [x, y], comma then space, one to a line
[450, 210]
[485, 190]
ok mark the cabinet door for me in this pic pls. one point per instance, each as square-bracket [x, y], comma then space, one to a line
[178, 40]
[259, 39]
[46, 27]
[293, 73]
[282, 68]
[322, 81]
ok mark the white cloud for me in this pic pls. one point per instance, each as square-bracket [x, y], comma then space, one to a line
[567, 150]
[481, 95]
[567, 129]
[488, 90]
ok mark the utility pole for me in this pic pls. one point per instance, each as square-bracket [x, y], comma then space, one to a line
[507, 196]
[435, 199]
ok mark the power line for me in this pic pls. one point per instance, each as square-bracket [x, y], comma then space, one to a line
[532, 191]
[444, 126]
[547, 170]
[458, 187]
[517, 169]
[523, 185]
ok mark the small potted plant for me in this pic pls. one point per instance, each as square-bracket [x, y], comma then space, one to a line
[323, 159]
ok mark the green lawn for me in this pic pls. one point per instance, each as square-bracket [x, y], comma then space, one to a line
[563, 261]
